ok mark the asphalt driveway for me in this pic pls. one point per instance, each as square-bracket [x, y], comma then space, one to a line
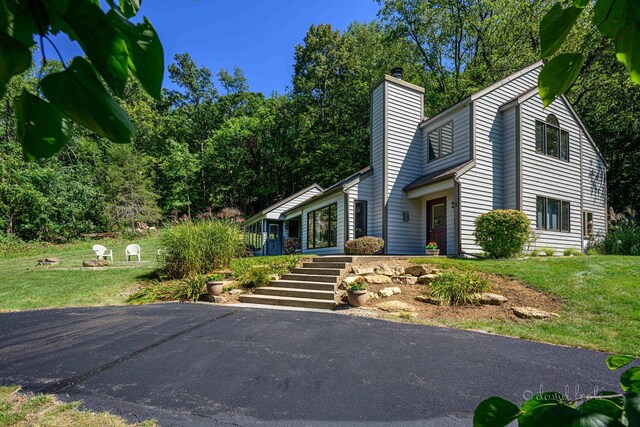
[198, 364]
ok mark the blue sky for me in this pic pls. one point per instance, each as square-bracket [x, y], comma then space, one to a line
[257, 36]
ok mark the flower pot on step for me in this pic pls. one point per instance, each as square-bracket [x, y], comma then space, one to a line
[432, 252]
[357, 298]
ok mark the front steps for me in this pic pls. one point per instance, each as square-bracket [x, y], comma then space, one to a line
[311, 286]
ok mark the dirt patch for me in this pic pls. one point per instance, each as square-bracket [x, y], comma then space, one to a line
[517, 294]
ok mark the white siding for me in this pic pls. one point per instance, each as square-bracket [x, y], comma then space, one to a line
[377, 160]
[363, 191]
[594, 186]
[325, 201]
[481, 187]
[461, 141]
[404, 165]
[547, 176]
[293, 203]
[509, 158]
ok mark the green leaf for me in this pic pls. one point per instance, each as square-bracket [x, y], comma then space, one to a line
[103, 43]
[549, 415]
[146, 60]
[628, 50]
[14, 59]
[555, 27]
[617, 400]
[632, 408]
[42, 130]
[557, 76]
[601, 406]
[495, 412]
[616, 361]
[78, 93]
[610, 16]
[129, 8]
[18, 21]
[580, 3]
[630, 380]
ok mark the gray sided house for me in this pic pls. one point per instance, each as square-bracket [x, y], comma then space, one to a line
[430, 178]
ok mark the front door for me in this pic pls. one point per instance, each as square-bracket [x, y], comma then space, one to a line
[274, 238]
[437, 223]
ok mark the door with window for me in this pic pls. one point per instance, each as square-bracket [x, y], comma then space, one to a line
[437, 223]
[274, 238]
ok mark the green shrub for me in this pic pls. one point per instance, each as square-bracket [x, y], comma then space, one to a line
[367, 245]
[548, 251]
[194, 288]
[277, 265]
[457, 288]
[622, 239]
[291, 245]
[196, 247]
[157, 291]
[257, 277]
[572, 251]
[503, 233]
[535, 252]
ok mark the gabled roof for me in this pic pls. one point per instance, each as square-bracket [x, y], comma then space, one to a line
[284, 201]
[342, 185]
[432, 178]
[482, 92]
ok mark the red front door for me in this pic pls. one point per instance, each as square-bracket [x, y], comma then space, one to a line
[437, 223]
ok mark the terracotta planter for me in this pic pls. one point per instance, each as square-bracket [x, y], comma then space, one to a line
[214, 288]
[357, 298]
[432, 252]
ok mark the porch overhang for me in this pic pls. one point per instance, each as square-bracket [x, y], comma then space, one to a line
[437, 181]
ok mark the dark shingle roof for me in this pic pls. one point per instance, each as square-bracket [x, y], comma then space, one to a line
[434, 177]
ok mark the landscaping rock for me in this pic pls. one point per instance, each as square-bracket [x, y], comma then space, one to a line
[389, 270]
[533, 313]
[236, 291]
[427, 278]
[342, 297]
[430, 300]
[49, 261]
[95, 263]
[488, 298]
[217, 299]
[387, 292]
[404, 280]
[395, 306]
[418, 270]
[362, 270]
[371, 295]
[377, 279]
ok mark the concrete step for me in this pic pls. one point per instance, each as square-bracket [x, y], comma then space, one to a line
[296, 284]
[340, 265]
[288, 301]
[318, 271]
[336, 258]
[310, 278]
[295, 293]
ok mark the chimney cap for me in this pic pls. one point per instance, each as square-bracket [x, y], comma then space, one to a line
[397, 72]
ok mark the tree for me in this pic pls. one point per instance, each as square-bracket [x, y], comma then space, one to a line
[619, 20]
[114, 47]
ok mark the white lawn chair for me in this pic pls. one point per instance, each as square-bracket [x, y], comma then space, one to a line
[132, 251]
[102, 252]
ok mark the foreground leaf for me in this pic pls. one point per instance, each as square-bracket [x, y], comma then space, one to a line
[557, 76]
[601, 406]
[78, 93]
[555, 27]
[628, 50]
[129, 8]
[14, 59]
[104, 45]
[632, 408]
[630, 380]
[618, 361]
[42, 130]
[495, 412]
[610, 16]
[146, 56]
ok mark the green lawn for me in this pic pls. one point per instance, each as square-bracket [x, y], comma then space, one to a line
[23, 285]
[601, 297]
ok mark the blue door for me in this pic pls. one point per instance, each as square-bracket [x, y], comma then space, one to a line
[274, 238]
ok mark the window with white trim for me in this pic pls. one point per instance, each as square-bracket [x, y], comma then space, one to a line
[551, 140]
[440, 142]
[553, 214]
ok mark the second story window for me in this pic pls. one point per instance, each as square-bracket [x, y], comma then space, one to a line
[551, 140]
[440, 142]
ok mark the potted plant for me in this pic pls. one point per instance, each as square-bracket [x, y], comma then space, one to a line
[357, 292]
[215, 283]
[432, 249]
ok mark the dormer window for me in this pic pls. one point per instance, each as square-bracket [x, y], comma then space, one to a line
[440, 142]
[551, 140]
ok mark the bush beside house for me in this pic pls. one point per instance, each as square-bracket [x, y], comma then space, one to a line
[367, 245]
[503, 233]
